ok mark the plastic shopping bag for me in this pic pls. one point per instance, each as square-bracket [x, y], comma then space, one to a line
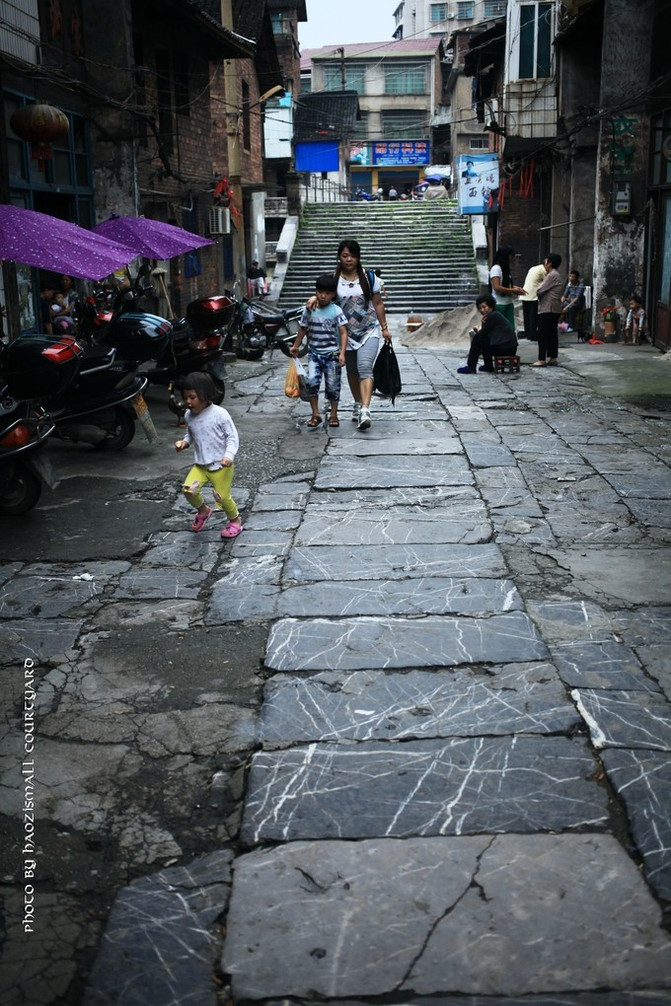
[291, 388]
[304, 392]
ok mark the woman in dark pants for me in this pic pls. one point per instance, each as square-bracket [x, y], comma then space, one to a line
[495, 337]
[549, 312]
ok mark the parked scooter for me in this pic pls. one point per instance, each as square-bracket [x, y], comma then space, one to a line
[24, 428]
[253, 328]
[91, 398]
[168, 351]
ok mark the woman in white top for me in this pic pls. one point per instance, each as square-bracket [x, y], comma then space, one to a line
[503, 289]
[361, 303]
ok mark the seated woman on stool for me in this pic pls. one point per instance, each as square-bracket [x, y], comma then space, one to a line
[495, 337]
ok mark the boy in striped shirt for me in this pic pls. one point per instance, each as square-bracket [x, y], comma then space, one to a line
[326, 329]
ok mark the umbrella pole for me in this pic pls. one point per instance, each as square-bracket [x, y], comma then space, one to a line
[164, 291]
[13, 315]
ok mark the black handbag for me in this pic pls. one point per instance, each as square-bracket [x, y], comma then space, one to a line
[386, 373]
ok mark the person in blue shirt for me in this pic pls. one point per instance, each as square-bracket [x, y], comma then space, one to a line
[326, 330]
[573, 298]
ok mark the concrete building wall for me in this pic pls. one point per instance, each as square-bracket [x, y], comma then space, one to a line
[623, 144]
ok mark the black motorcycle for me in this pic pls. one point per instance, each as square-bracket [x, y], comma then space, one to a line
[24, 428]
[166, 350]
[254, 328]
[90, 396]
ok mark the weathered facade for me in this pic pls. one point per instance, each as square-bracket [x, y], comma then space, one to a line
[163, 102]
[568, 93]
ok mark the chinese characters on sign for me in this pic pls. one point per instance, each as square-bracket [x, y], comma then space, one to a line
[476, 176]
[392, 153]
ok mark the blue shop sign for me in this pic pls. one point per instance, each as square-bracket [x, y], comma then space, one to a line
[393, 153]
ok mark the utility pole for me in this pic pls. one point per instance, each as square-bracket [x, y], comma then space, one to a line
[232, 113]
[343, 83]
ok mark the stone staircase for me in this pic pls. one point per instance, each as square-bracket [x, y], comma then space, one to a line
[424, 251]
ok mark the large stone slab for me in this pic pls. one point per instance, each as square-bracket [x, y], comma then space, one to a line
[429, 596]
[621, 573]
[439, 526]
[642, 780]
[506, 915]
[456, 786]
[625, 719]
[368, 643]
[160, 939]
[383, 472]
[408, 499]
[367, 705]
[446, 443]
[376, 562]
[606, 664]
[41, 640]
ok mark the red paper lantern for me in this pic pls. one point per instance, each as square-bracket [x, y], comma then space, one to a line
[39, 125]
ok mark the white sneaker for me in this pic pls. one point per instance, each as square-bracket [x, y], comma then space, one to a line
[364, 419]
[356, 412]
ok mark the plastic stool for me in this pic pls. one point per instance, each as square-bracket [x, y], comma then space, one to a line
[507, 364]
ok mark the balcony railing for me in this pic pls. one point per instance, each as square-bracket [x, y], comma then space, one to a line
[276, 206]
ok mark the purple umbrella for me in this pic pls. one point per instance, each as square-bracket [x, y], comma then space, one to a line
[151, 238]
[50, 243]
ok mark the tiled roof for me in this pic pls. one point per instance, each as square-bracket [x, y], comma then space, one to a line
[374, 50]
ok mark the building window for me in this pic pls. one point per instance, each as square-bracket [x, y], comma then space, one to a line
[20, 30]
[246, 118]
[535, 40]
[495, 8]
[398, 14]
[464, 11]
[405, 78]
[478, 143]
[404, 124]
[361, 128]
[438, 12]
[281, 24]
[355, 78]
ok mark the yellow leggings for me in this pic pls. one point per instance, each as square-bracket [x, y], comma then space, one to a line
[221, 481]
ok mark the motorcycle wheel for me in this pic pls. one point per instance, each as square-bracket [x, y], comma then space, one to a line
[249, 354]
[286, 346]
[119, 433]
[220, 389]
[20, 489]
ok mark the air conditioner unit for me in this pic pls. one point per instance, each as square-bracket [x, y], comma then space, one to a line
[220, 220]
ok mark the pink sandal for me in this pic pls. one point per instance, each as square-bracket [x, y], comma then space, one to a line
[201, 519]
[232, 530]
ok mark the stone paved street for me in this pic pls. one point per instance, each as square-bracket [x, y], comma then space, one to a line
[407, 737]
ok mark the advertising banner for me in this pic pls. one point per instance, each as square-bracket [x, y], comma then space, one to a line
[400, 153]
[476, 176]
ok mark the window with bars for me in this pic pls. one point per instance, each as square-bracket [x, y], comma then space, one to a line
[361, 128]
[20, 30]
[408, 78]
[535, 40]
[495, 8]
[438, 12]
[404, 124]
[355, 78]
[464, 11]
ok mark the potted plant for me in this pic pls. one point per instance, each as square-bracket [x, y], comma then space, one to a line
[609, 315]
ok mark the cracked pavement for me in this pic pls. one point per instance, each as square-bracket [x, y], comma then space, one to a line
[406, 737]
